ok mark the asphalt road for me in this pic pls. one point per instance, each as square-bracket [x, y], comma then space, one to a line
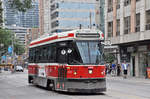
[15, 86]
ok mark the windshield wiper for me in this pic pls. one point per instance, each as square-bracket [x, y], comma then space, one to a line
[77, 61]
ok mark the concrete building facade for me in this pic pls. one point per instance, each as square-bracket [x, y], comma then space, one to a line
[32, 34]
[64, 15]
[20, 33]
[127, 24]
[41, 16]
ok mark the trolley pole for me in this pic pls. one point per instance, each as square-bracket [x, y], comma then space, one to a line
[90, 17]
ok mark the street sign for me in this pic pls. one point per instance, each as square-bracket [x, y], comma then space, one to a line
[10, 50]
[4, 58]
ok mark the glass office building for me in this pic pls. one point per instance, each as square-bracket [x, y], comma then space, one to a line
[70, 14]
[28, 19]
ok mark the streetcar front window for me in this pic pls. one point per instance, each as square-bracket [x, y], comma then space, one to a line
[91, 52]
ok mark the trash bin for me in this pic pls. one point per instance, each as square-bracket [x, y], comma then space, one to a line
[148, 72]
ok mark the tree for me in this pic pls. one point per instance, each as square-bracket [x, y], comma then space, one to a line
[109, 58]
[6, 38]
[18, 48]
[21, 5]
[1, 14]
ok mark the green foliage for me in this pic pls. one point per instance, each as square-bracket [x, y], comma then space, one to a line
[1, 14]
[109, 58]
[6, 38]
[21, 5]
[18, 48]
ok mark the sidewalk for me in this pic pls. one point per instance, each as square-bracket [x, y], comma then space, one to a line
[129, 79]
[5, 73]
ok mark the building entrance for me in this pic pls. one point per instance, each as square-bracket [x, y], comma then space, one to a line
[133, 65]
[143, 63]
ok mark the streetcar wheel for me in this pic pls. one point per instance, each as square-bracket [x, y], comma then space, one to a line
[30, 79]
[50, 85]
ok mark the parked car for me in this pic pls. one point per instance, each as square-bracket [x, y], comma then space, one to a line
[19, 68]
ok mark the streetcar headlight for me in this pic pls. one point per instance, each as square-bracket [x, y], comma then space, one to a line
[90, 71]
[103, 72]
[75, 73]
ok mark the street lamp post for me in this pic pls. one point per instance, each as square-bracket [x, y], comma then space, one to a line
[13, 36]
[1, 46]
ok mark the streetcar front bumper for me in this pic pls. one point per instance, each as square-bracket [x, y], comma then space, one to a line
[86, 85]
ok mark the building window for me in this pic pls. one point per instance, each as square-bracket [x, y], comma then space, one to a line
[118, 27]
[127, 2]
[54, 6]
[118, 4]
[110, 29]
[110, 5]
[148, 20]
[127, 25]
[137, 28]
[55, 24]
[54, 15]
[52, 1]
[138, 0]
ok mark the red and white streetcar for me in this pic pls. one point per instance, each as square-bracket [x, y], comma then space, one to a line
[70, 61]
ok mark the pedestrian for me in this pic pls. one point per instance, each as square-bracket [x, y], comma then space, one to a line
[118, 69]
[125, 69]
[106, 68]
[110, 68]
[113, 72]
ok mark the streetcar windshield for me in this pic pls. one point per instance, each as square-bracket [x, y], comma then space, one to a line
[91, 52]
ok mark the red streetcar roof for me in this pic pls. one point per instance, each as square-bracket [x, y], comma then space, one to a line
[65, 35]
[53, 37]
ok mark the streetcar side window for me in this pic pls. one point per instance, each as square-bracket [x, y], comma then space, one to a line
[36, 55]
[51, 52]
[40, 55]
[43, 54]
[30, 55]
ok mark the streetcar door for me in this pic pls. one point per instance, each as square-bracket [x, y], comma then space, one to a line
[62, 71]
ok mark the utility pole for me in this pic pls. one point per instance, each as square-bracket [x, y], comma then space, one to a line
[90, 17]
[13, 36]
[102, 19]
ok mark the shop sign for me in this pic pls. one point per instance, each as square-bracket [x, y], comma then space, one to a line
[142, 48]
